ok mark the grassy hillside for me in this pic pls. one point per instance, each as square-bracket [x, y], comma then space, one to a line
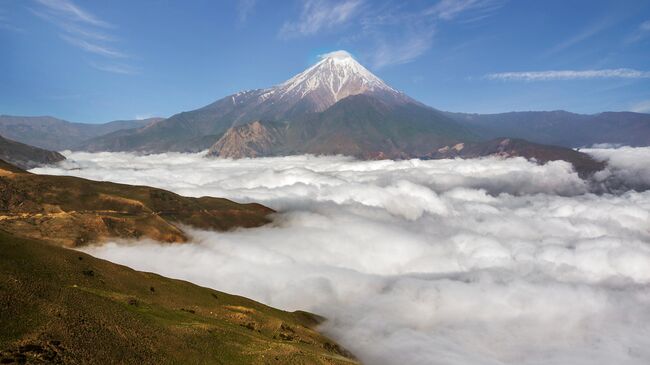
[71, 211]
[62, 306]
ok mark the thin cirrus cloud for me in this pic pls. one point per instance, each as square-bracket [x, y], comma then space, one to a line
[618, 73]
[642, 32]
[450, 9]
[580, 37]
[115, 68]
[69, 10]
[85, 31]
[390, 34]
[318, 15]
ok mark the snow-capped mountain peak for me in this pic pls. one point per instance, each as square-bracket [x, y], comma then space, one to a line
[336, 76]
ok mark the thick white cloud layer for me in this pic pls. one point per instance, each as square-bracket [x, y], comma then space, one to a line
[628, 168]
[483, 261]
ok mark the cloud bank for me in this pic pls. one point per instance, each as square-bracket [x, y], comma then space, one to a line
[485, 261]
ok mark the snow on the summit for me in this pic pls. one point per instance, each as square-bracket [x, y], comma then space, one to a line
[336, 76]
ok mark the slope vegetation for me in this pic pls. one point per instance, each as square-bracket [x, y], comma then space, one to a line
[58, 306]
[71, 211]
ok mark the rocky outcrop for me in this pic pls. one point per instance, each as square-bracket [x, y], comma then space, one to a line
[250, 140]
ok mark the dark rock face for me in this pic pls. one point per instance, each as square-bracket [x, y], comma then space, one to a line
[25, 156]
[249, 140]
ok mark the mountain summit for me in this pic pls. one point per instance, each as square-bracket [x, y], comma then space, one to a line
[337, 76]
[334, 78]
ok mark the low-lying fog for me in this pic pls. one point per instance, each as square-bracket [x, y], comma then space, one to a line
[483, 261]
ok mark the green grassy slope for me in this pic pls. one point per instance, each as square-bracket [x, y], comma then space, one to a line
[62, 306]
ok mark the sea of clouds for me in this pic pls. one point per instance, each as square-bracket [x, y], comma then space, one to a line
[484, 261]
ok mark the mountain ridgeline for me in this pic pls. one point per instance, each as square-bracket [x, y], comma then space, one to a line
[57, 134]
[337, 106]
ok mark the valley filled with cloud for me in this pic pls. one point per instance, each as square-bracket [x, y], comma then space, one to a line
[483, 261]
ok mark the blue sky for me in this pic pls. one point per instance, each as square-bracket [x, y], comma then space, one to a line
[95, 61]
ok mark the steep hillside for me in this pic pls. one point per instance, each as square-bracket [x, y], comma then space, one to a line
[25, 156]
[71, 211]
[58, 306]
[359, 125]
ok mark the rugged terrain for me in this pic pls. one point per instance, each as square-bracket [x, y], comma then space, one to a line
[59, 306]
[584, 164]
[360, 125]
[26, 156]
[71, 211]
[337, 106]
[57, 134]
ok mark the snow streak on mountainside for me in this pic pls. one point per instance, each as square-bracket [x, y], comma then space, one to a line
[335, 77]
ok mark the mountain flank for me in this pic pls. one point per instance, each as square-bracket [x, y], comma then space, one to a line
[71, 211]
[59, 306]
[25, 156]
[337, 106]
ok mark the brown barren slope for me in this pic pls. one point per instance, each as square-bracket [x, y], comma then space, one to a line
[71, 211]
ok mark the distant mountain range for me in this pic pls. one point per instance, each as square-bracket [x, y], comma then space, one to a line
[562, 128]
[336, 106]
[57, 134]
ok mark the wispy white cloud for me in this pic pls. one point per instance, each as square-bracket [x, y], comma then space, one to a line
[71, 11]
[84, 30]
[621, 73]
[121, 69]
[403, 51]
[244, 8]
[401, 37]
[583, 35]
[641, 107]
[318, 15]
[92, 47]
[642, 32]
[387, 33]
[450, 9]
